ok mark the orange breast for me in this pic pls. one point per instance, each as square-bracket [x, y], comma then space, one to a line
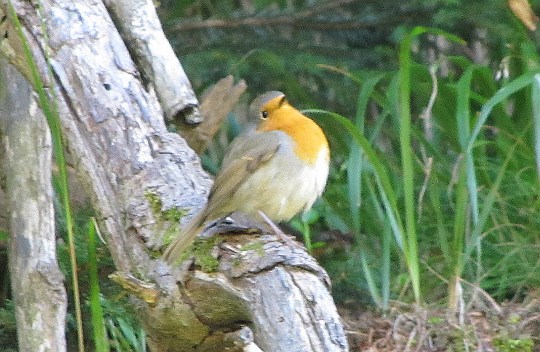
[308, 137]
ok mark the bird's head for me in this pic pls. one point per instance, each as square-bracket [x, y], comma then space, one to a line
[262, 106]
[272, 111]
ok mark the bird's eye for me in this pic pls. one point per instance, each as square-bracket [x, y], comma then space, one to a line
[264, 115]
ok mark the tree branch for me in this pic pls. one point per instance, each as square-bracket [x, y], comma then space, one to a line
[33, 266]
[141, 28]
[305, 19]
[277, 22]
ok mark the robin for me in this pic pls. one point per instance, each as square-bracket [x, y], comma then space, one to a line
[275, 171]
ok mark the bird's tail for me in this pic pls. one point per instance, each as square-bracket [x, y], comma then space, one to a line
[174, 251]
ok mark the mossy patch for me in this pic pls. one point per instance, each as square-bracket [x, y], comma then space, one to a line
[506, 344]
[172, 216]
[203, 252]
[257, 246]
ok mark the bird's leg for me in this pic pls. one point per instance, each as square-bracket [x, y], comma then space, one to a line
[277, 231]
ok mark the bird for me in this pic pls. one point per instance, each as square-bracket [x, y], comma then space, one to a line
[276, 171]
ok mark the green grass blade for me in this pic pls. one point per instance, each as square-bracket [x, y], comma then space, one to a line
[354, 185]
[536, 119]
[125, 337]
[500, 96]
[462, 121]
[128, 332]
[463, 90]
[354, 179]
[411, 254]
[389, 203]
[392, 94]
[460, 221]
[489, 200]
[393, 217]
[355, 162]
[303, 225]
[434, 191]
[142, 341]
[98, 322]
[386, 265]
[115, 335]
[307, 236]
[372, 286]
[381, 175]
[386, 246]
[407, 159]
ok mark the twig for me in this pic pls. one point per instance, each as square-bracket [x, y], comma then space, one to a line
[262, 21]
[426, 117]
[276, 21]
[488, 298]
[303, 19]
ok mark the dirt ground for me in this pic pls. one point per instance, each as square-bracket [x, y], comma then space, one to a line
[482, 326]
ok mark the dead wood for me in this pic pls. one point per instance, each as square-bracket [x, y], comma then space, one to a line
[26, 166]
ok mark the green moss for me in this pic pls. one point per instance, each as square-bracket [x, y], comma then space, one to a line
[514, 319]
[171, 216]
[171, 233]
[435, 320]
[257, 246]
[155, 202]
[505, 344]
[174, 214]
[202, 251]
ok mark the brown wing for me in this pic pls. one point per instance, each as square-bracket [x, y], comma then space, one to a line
[243, 159]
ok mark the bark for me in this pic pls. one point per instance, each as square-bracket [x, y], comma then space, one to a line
[3, 215]
[216, 105]
[33, 267]
[143, 180]
[142, 31]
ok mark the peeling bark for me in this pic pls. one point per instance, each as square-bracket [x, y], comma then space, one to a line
[216, 105]
[33, 267]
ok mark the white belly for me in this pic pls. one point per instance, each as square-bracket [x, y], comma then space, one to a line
[285, 186]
